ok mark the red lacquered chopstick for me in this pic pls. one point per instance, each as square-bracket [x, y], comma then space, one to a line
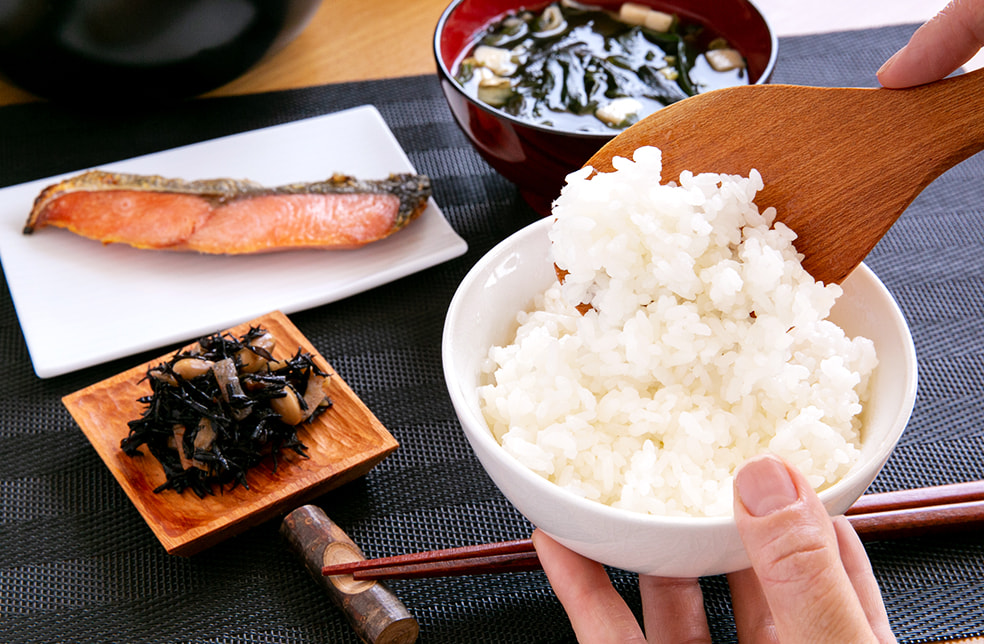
[887, 515]
[504, 556]
[448, 554]
[918, 498]
[496, 563]
[919, 521]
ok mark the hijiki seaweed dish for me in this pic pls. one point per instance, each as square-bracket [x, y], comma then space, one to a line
[221, 407]
[583, 68]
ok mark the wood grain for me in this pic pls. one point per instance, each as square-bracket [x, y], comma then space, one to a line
[839, 164]
[346, 40]
[353, 40]
[376, 614]
[343, 443]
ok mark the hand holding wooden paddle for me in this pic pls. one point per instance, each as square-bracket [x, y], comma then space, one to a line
[839, 164]
[857, 150]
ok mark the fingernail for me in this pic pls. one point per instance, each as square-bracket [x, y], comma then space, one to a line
[888, 63]
[764, 486]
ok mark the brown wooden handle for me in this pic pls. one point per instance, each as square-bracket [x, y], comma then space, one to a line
[936, 125]
[375, 612]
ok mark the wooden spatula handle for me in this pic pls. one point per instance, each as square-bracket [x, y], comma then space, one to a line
[933, 127]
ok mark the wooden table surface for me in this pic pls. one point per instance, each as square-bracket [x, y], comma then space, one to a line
[352, 40]
[346, 40]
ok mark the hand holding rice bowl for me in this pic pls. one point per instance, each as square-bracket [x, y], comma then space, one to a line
[600, 466]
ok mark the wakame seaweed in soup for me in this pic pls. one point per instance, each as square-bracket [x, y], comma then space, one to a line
[583, 68]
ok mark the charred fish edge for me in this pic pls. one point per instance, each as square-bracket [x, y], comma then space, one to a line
[412, 190]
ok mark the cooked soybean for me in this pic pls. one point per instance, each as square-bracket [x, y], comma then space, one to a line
[222, 408]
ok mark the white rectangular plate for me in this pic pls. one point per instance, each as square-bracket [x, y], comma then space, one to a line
[81, 303]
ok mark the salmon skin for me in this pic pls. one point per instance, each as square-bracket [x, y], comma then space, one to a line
[229, 216]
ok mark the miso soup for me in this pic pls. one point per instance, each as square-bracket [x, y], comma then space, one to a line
[578, 67]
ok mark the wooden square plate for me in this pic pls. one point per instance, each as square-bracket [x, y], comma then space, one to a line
[343, 443]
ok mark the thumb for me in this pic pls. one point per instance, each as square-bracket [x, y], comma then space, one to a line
[793, 548]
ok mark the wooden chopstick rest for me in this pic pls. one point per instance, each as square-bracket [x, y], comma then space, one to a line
[374, 611]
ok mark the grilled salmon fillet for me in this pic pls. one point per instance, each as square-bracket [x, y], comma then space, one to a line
[229, 216]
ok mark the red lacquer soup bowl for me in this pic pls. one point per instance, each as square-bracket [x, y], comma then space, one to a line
[535, 157]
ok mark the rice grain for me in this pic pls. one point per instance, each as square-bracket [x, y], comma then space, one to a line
[706, 343]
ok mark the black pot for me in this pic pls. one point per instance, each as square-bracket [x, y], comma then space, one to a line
[100, 51]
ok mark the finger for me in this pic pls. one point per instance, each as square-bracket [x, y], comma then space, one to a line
[858, 568]
[595, 609]
[673, 610]
[793, 549]
[937, 48]
[753, 619]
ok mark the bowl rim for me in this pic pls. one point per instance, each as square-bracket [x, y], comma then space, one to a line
[448, 77]
[476, 428]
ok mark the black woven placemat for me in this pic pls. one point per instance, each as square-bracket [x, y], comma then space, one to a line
[77, 563]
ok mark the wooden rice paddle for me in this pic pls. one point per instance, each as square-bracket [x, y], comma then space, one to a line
[839, 164]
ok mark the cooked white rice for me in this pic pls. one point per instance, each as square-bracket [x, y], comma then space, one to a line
[706, 344]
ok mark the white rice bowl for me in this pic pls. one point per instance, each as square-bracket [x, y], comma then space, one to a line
[706, 343]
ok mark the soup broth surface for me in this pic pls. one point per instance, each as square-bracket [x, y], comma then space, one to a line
[585, 69]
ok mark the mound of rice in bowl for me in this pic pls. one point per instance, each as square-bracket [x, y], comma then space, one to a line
[706, 342]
